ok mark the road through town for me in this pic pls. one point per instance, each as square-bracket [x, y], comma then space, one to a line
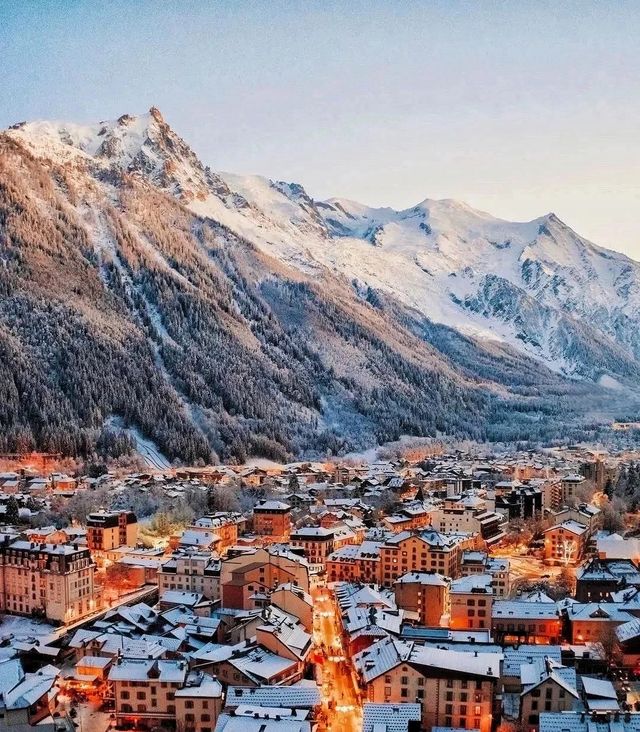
[339, 692]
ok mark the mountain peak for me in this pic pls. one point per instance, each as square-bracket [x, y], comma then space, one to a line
[155, 113]
[141, 144]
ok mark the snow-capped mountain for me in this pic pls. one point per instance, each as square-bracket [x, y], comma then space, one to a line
[266, 321]
[537, 286]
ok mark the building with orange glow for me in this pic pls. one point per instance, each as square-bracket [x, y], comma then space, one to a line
[471, 602]
[565, 543]
[424, 596]
[515, 621]
[152, 693]
[247, 579]
[54, 581]
[427, 550]
[272, 519]
[454, 689]
[110, 529]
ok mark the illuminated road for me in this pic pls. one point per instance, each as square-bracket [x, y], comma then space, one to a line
[338, 687]
[525, 569]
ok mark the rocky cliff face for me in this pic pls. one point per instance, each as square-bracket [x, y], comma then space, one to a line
[226, 316]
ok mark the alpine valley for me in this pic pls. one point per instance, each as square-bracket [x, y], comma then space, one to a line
[219, 316]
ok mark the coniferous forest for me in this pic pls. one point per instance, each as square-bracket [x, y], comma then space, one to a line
[117, 302]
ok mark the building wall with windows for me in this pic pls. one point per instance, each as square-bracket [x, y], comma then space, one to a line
[54, 581]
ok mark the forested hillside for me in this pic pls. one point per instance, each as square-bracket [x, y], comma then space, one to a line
[118, 301]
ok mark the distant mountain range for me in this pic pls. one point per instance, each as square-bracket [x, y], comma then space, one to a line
[225, 316]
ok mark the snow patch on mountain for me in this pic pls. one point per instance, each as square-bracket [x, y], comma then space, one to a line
[536, 286]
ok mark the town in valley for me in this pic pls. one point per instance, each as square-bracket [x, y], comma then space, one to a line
[444, 591]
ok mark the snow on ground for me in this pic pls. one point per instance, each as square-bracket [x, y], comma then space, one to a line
[147, 449]
[609, 382]
[23, 627]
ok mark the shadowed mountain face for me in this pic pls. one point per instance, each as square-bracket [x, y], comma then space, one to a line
[223, 316]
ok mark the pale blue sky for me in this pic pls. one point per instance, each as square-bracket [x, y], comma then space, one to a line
[518, 108]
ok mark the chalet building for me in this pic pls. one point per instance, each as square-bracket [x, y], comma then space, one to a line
[27, 700]
[424, 597]
[108, 530]
[54, 581]
[272, 520]
[545, 687]
[454, 689]
[247, 664]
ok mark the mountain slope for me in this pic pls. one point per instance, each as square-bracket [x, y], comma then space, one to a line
[212, 312]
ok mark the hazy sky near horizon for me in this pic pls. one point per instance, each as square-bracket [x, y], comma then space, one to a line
[517, 108]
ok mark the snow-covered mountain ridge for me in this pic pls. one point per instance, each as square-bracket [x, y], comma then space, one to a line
[536, 286]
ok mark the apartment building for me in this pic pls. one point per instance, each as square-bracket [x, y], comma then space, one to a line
[471, 602]
[355, 563]
[478, 562]
[55, 581]
[153, 693]
[566, 490]
[317, 542]
[454, 689]
[193, 571]
[227, 527]
[272, 520]
[565, 543]
[424, 596]
[514, 621]
[410, 516]
[587, 622]
[422, 552]
[108, 530]
[247, 579]
[470, 514]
